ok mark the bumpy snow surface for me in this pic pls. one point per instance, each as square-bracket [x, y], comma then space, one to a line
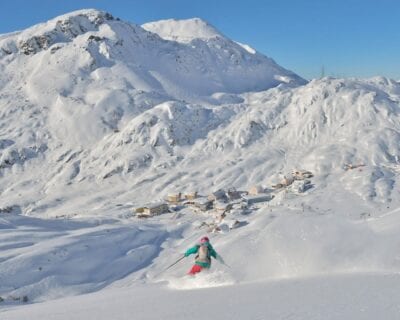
[99, 117]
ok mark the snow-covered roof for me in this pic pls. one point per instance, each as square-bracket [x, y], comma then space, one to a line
[258, 196]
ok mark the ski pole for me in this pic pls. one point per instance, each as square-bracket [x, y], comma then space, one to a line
[170, 266]
[220, 260]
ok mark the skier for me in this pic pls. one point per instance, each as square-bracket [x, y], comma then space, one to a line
[204, 251]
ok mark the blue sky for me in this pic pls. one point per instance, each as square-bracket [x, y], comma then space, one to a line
[346, 38]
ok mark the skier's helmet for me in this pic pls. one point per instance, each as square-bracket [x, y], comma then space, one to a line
[204, 240]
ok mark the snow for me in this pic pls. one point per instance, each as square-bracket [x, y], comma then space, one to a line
[247, 47]
[333, 298]
[182, 30]
[342, 267]
[99, 116]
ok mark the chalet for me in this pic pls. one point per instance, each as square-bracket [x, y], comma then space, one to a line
[286, 181]
[301, 174]
[191, 195]
[152, 209]
[262, 197]
[139, 210]
[218, 195]
[255, 190]
[203, 204]
[174, 197]
[301, 186]
[233, 194]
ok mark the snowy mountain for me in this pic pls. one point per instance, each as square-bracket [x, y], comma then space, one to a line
[99, 116]
[90, 97]
[91, 42]
[105, 93]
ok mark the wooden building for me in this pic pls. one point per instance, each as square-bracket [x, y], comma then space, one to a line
[153, 209]
[191, 195]
[174, 197]
[255, 190]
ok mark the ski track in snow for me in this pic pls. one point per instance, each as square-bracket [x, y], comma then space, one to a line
[206, 279]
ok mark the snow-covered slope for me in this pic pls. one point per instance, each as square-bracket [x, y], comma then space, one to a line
[362, 297]
[73, 50]
[99, 116]
[89, 96]
[140, 147]
[183, 31]
[283, 263]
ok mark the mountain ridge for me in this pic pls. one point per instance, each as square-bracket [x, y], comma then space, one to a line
[113, 108]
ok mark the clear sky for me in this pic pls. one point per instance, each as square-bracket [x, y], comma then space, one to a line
[345, 38]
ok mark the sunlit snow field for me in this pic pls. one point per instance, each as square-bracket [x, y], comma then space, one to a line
[99, 117]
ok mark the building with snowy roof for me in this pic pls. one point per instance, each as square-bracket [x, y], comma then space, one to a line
[262, 197]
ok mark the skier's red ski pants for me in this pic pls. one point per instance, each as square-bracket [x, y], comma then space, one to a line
[195, 269]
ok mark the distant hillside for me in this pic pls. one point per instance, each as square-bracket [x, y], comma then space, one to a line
[95, 112]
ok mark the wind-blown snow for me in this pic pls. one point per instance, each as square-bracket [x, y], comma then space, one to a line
[247, 47]
[99, 116]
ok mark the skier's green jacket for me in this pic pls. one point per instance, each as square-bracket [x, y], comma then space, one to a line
[211, 253]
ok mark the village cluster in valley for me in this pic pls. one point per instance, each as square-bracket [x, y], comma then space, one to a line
[220, 203]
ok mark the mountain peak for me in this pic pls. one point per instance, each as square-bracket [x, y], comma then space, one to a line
[183, 30]
[90, 12]
[92, 16]
[63, 28]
